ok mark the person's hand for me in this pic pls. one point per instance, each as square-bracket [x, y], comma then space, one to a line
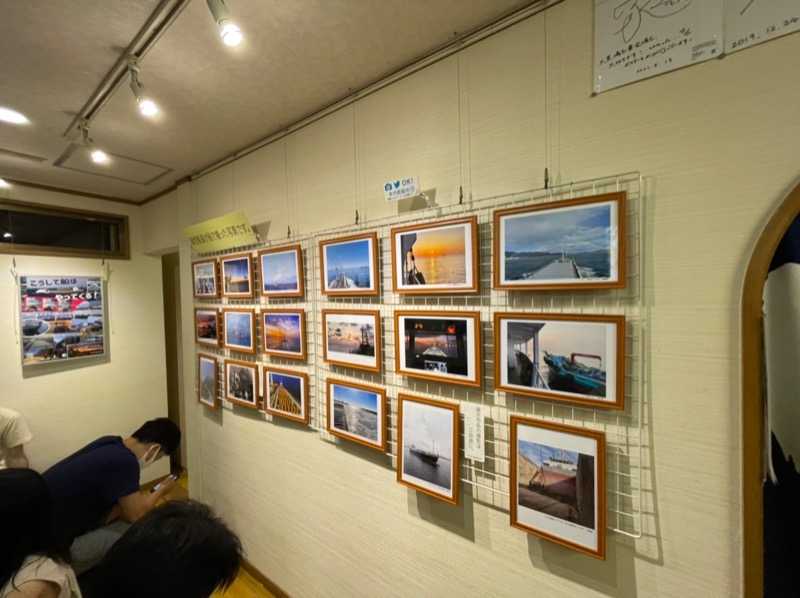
[166, 485]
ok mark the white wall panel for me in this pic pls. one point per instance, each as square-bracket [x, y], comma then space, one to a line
[160, 220]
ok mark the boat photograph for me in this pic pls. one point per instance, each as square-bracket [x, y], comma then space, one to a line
[349, 265]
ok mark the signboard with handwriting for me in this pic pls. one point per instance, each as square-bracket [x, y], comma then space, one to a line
[750, 22]
[637, 39]
[225, 232]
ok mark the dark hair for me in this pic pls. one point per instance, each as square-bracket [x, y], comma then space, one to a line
[27, 526]
[179, 549]
[161, 431]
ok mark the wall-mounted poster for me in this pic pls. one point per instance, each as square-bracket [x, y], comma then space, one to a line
[284, 333]
[286, 393]
[436, 258]
[427, 446]
[241, 383]
[237, 276]
[558, 483]
[352, 338]
[349, 265]
[207, 382]
[206, 327]
[62, 318]
[572, 244]
[204, 273]
[281, 271]
[574, 358]
[357, 412]
[437, 345]
[239, 330]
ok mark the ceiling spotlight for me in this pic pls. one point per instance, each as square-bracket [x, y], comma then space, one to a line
[146, 105]
[97, 155]
[230, 33]
[3, 183]
[12, 116]
[7, 235]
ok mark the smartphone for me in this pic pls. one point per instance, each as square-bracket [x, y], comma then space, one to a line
[171, 476]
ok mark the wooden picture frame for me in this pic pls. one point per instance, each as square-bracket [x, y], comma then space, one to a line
[239, 330]
[571, 244]
[435, 258]
[438, 345]
[207, 381]
[558, 483]
[236, 274]
[421, 463]
[573, 358]
[283, 333]
[349, 265]
[205, 280]
[286, 393]
[357, 412]
[352, 338]
[281, 270]
[241, 383]
[206, 327]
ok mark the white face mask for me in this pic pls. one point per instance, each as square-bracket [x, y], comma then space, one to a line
[144, 462]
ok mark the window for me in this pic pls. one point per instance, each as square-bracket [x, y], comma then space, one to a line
[34, 229]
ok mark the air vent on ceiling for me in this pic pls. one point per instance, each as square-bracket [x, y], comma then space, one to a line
[20, 156]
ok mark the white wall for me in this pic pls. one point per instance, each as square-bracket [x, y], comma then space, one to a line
[68, 407]
[718, 146]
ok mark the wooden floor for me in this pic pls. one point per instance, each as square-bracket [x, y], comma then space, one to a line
[245, 585]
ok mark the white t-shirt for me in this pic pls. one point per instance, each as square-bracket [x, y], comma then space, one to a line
[42, 568]
[13, 432]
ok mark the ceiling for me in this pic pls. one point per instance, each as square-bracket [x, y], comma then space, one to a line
[298, 56]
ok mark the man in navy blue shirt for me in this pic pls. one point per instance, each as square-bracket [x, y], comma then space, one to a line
[95, 491]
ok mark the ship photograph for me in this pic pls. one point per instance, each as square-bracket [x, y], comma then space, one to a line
[356, 412]
[351, 337]
[279, 272]
[556, 482]
[434, 257]
[241, 383]
[436, 345]
[574, 244]
[427, 444]
[348, 265]
[285, 393]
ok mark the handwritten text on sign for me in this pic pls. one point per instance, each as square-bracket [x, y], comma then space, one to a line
[750, 22]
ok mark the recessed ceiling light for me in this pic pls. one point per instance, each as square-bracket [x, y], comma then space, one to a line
[12, 116]
[3, 183]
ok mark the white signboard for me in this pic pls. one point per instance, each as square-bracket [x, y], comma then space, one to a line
[636, 39]
[401, 188]
[473, 432]
[750, 22]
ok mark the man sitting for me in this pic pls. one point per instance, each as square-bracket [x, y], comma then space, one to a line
[96, 492]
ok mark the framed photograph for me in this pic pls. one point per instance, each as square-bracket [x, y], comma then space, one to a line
[239, 330]
[237, 275]
[352, 338]
[436, 258]
[206, 327]
[558, 484]
[207, 382]
[438, 345]
[349, 265]
[427, 441]
[286, 393]
[204, 273]
[573, 358]
[284, 333]
[281, 271]
[241, 383]
[357, 412]
[571, 244]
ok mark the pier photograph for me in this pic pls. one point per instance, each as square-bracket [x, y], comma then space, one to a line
[284, 333]
[435, 258]
[286, 393]
[572, 243]
[241, 383]
[349, 266]
[571, 358]
[558, 488]
[281, 272]
[428, 446]
[207, 381]
[237, 275]
[239, 330]
[352, 338]
[205, 279]
[206, 323]
[356, 412]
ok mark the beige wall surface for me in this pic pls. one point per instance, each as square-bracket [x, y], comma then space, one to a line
[69, 405]
[717, 144]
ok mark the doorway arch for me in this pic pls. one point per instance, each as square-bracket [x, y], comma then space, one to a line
[752, 355]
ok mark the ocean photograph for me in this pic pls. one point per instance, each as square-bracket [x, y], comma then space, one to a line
[283, 332]
[236, 275]
[348, 265]
[239, 329]
[428, 445]
[208, 371]
[355, 412]
[279, 272]
[285, 392]
[345, 336]
[439, 255]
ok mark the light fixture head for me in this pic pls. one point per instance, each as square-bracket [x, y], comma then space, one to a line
[12, 116]
[4, 183]
[230, 33]
[7, 235]
[146, 105]
[98, 156]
